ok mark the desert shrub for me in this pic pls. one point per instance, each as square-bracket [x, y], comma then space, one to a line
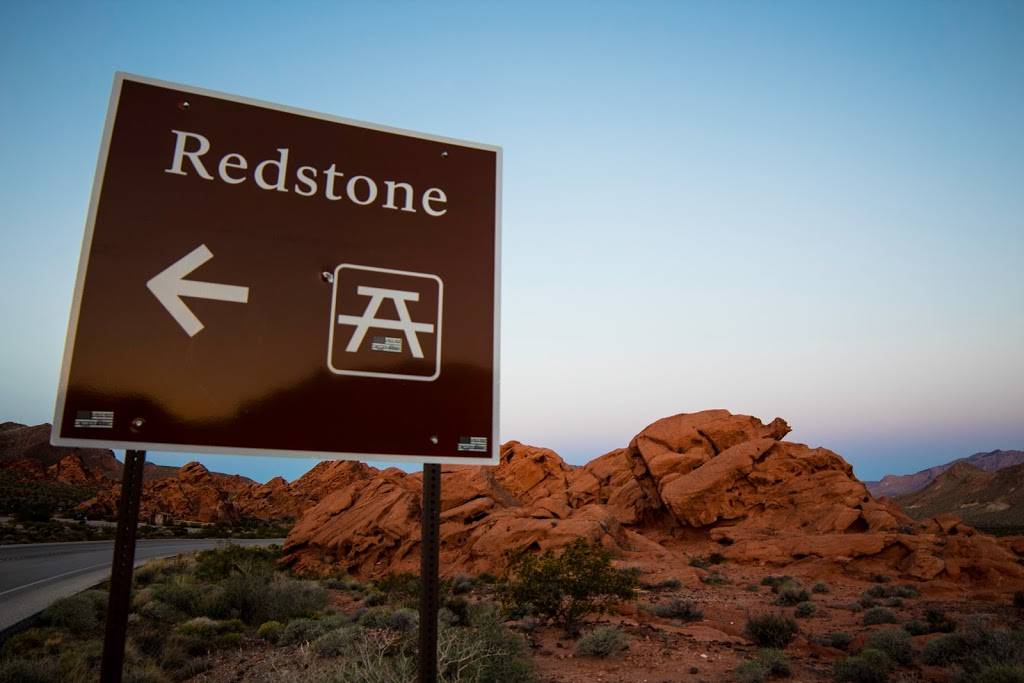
[255, 598]
[838, 640]
[374, 598]
[376, 617]
[867, 602]
[403, 587]
[565, 588]
[459, 610]
[336, 643]
[220, 563]
[771, 630]
[945, 649]
[181, 594]
[791, 593]
[27, 642]
[752, 588]
[404, 620]
[870, 666]
[667, 584]
[881, 578]
[894, 602]
[80, 614]
[303, 631]
[725, 540]
[717, 558]
[820, 587]
[855, 607]
[159, 611]
[1000, 673]
[33, 670]
[683, 610]
[805, 609]
[484, 651]
[767, 663]
[906, 591]
[879, 615]
[206, 627]
[715, 579]
[699, 562]
[144, 673]
[775, 581]
[894, 642]
[148, 638]
[939, 622]
[602, 642]
[876, 592]
[81, 661]
[270, 631]
[462, 583]
[916, 627]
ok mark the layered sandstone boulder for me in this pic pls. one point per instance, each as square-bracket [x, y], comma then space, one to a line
[710, 477]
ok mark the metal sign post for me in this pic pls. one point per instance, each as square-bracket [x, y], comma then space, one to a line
[112, 664]
[430, 549]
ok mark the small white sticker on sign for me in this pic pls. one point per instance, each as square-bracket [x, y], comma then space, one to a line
[101, 419]
[389, 344]
[476, 444]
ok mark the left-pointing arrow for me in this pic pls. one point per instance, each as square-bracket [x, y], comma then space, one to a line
[170, 285]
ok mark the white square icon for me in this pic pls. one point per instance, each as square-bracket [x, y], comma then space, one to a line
[385, 323]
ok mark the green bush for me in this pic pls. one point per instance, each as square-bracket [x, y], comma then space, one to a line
[667, 584]
[255, 598]
[1000, 673]
[181, 594]
[791, 593]
[838, 640]
[870, 666]
[404, 620]
[683, 610]
[895, 643]
[879, 615]
[715, 579]
[270, 631]
[565, 588]
[916, 627]
[699, 562]
[303, 631]
[376, 617]
[80, 614]
[938, 622]
[403, 587]
[336, 643]
[771, 630]
[775, 581]
[805, 609]
[462, 583]
[767, 663]
[220, 563]
[820, 587]
[144, 673]
[906, 591]
[28, 671]
[602, 642]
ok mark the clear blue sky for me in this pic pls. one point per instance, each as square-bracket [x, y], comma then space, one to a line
[806, 209]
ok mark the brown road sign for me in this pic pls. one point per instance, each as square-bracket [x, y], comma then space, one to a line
[259, 279]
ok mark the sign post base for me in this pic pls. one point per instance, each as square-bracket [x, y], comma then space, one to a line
[430, 549]
[112, 663]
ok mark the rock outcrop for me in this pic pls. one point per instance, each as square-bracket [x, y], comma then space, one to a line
[709, 479]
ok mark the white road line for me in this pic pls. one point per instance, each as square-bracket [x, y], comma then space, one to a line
[54, 578]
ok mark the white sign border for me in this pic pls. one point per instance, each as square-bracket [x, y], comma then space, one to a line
[101, 164]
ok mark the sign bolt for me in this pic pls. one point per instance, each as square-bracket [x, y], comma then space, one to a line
[444, 154]
[433, 440]
[138, 423]
[184, 105]
[327, 276]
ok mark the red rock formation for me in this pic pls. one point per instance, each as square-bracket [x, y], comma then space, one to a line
[686, 479]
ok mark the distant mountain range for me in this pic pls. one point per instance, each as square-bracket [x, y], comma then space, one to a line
[987, 500]
[894, 486]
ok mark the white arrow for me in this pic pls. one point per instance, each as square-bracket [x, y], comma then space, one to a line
[170, 285]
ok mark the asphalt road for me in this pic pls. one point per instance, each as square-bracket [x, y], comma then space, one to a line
[34, 575]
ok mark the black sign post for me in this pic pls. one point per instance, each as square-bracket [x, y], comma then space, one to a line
[430, 549]
[112, 664]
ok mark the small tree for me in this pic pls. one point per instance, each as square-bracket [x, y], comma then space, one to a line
[565, 588]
